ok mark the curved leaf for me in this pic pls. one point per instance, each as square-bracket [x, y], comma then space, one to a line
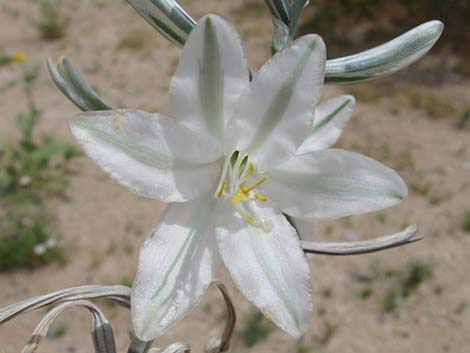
[387, 58]
[383, 242]
[167, 17]
[102, 333]
[69, 80]
[119, 294]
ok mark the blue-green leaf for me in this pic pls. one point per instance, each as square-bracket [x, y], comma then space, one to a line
[69, 80]
[167, 17]
[387, 58]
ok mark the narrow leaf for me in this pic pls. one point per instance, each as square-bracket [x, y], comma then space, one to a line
[69, 80]
[387, 58]
[383, 242]
[167, 17]
[222, 344]
[119, 294]
[102, 333]
[279, 9]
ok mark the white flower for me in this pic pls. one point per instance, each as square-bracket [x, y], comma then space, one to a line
[40, 249]
[25, 180]
[227, 165]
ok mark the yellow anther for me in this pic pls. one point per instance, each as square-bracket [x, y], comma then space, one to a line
[257, 184]
[240, 196]
[222, 189]
[244, 189]
[117, 121]
[18, 57]
[251, 170]
[261, 198]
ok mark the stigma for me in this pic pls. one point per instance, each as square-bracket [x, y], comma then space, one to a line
[238, 183]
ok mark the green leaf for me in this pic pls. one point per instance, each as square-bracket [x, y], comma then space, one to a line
[167, 17]
[280, 9]
[48, 150]
[26, 122]
[385, 59]
[69, 80]
[285, 15]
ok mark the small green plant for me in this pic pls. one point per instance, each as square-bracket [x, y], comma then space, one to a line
[327, 292]
[31, 170]
[27, 239]
[466, 222]
[6, 59]
[53, 22]
[302, 347]
[255, 329]
[329, 330]
[406, 283]
[366, 293]
[432, 105]
[420, 186]
[464, 122]
[135, 40]
[461, 307]
[367, 93]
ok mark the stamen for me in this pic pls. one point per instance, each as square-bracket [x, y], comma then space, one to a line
[249, 170]
[252, 169]
[240, 196]
[231, 187]
[261, 198]
[257, 184]
[222, 189]
[244, 189]
[223, 176]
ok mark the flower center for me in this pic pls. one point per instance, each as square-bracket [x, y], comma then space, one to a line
[237, 185]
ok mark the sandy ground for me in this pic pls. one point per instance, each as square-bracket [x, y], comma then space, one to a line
[103, 224]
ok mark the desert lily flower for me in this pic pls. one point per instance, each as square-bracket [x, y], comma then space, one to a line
[228, 167]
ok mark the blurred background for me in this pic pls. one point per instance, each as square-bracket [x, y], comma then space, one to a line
[64, 223]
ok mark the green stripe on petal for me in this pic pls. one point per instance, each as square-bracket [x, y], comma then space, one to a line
[176, 264]
[331, 117]
[333, 183]
[211, 81]
[269, 268]
[272, 117]
[211, 74]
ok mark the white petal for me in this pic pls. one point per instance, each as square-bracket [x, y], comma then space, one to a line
[176, 265]
[149, 154]
[270, 269]
[272, 117]
[331, 117]
[333, 183]
[210, 76]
